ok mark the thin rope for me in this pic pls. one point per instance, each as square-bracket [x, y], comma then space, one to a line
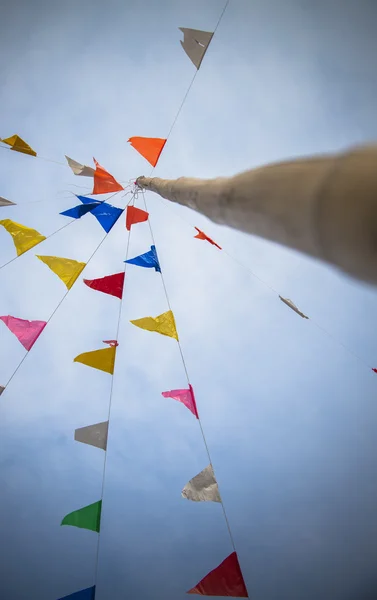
[188, 381]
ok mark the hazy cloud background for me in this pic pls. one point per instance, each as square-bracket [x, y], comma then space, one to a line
[289, 413]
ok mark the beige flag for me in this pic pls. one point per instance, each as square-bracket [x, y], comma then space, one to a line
[5, 202]
[80, 169]
[293, 306]
[203, 487]
[195, 44]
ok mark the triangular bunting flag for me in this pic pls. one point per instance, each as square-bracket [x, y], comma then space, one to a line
[148, 260]
[112, 343]
[19, 145]
[202, 236]
[164, 324]
[80, 210]
[135, 215]
[66, 269]
[185, 396]
[27, 332]
[150, 148]
[2, 388]
[106, 215]
[79, 169]
[374, 370]
[110, 284]
[225, 580]
[24, 238]
[203, 487]
[86, 200]
[103, 359]
[195, 44]
[87, 594]
[88, 517]
[94, 435]
[104, 183]
[5, 202]
[293, 307]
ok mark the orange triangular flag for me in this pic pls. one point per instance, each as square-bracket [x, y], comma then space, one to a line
[104, 183]
[150, 148]
[135, 215]
[202, 236]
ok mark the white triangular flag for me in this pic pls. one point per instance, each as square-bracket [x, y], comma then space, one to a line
[293, 306]
[80, 169]
[203, 487]
[94, 435]
[5, 202]
[195, 44]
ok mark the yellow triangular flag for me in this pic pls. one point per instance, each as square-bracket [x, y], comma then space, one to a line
[99, 359]
[67, 269]
[164, 324]
[24, 238]
[19, 145]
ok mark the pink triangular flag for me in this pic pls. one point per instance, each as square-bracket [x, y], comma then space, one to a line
[27, 332]
[186, 397]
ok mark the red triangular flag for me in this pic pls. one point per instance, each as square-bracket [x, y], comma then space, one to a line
[375, 370]
[104, 183]
[135, 215]
[225, 580]
[150, 148]
[202, 236]
[111, 284]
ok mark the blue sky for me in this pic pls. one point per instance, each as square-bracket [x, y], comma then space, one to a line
[289, 413]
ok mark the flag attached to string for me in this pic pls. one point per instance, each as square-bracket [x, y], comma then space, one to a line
[148, 259]
[112, 343]
[5, 202]
[93, 435]
[19, 145]
[202, 236]
[88, 517]
[150, 148]
[195, 44]
[106, 215]
[79, 169]
[76, 212]
[2, 388]
[293, 306]
[66, 269]
[164, 324]
[24, 237]
[225, 580]
[135, 215]
[187, 398]
[87, 594]
[203, 487]
[104, 183]
[27, 332]
[103, 359]
[110, 284]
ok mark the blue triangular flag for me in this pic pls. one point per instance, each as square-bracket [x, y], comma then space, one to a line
[107, 215]
[148, 260]
[86, 200]
[87, 594]
[79, 211]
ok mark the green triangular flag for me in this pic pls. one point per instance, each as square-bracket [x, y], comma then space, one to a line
[88, 517]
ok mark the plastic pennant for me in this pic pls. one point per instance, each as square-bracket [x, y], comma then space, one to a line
[112, 343]
[148, 260]
[110, 284]
[293, 306]
[164, 324]
[19, 145]
[76, 212]
[86, 200]
[103, 359]
[374, 370]
[150, 148]
[195, 44]
[224, 580]
[104, 183]
[88, 517]
[66, 269]
[27, 332]
[2, 388]
[187, 398]
[203, 487]
[93, 435]
[135, 215]
[79, 169]
[24, 237]
[202, 236]
[5, 202]
[87, 594]
[106, 215]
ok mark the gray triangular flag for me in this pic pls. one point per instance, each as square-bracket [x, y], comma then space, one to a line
[293, 307]
[203, 487]
[195, 44]
[79, 169]
[2, 388]
[94, 435]
[5, 202]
